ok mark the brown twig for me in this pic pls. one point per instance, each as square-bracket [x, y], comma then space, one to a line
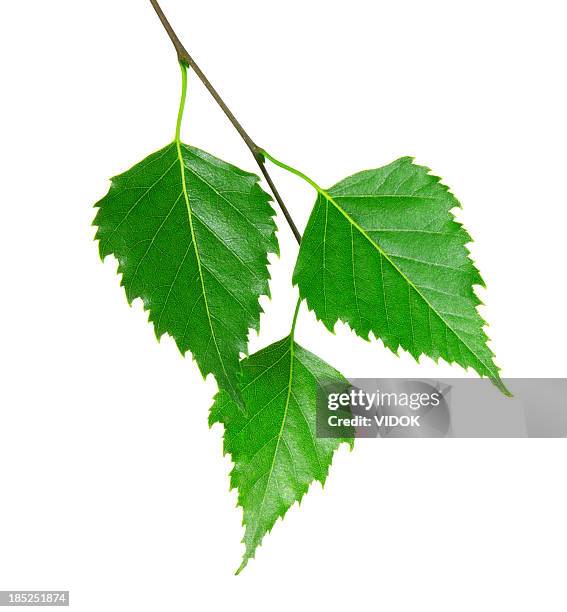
[183, 56]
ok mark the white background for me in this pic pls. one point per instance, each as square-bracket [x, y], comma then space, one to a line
[112, 485]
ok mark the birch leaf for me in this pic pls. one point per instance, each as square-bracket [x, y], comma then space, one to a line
[273, 443]
[382, 252]
[191, 234]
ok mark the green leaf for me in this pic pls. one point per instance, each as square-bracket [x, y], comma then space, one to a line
[273, 444]
[383, 253]
[191, 234]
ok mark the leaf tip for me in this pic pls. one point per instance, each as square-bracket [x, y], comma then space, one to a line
[241, 566]
[497, 381]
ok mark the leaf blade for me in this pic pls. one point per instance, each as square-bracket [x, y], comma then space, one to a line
[384, 252]
[274, 447]
[191, 234]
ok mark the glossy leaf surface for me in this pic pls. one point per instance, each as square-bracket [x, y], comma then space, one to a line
[273, 444]
[383, 253]
[191, 234]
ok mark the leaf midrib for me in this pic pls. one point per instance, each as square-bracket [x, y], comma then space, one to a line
[198, 258]
[291, 352]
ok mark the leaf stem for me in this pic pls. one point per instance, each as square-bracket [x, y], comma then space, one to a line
[298, 173]
[295, 314]
[184, 58]
[182, 102]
